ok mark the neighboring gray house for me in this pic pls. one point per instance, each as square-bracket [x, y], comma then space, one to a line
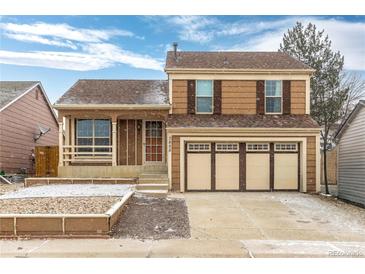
[351, 156]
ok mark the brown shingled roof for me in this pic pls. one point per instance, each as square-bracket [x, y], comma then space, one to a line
[233, 60]
[241, 121]
[116, 92]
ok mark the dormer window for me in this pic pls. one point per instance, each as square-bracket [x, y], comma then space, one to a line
[273, 96]
[204, 96]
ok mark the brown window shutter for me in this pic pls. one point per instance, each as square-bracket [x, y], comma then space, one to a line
[217, 97]
[260, 97]
[191, 96]
[286, 97]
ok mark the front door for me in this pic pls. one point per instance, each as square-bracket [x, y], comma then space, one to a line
[154, 142]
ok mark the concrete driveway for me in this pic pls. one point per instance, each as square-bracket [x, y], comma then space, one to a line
[273, 216]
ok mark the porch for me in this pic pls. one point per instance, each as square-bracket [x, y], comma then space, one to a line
[111, 143]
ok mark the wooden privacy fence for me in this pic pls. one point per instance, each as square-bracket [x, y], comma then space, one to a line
[46, 161]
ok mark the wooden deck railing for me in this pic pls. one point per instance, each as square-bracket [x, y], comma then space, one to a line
[79, 153]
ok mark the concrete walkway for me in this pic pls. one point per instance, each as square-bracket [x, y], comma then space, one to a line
[178, 248]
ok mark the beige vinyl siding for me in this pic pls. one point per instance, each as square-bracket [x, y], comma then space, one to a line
[238, 97]
[179, 96]
[175, 167]
[351, 160]
[18, 123]
[311, 164]
[297, 97]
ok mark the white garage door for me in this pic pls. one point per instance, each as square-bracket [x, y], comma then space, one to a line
[258, 171]
[227, 171]
[286, 166]
[198, 167]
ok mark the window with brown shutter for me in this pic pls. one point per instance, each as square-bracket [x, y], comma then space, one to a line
[217, 97]
[260, 97]
[191, 96]
[286, 97]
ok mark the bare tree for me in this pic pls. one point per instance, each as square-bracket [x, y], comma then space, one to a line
[355, 85]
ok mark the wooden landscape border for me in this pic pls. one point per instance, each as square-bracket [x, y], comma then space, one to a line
[62, 225]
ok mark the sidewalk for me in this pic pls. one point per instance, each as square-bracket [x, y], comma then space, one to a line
[178, 248]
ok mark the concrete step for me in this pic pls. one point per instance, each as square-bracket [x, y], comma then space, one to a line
[154, 175]
[153, 181]
[152, 187]
[155, 193]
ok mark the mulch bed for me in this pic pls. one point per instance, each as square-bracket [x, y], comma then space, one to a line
[57, 205]
[153, 218]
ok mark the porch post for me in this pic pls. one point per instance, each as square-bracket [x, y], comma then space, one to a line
[60, 142]
[114, 142]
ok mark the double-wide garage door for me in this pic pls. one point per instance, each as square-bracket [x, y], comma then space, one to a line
[242, 166]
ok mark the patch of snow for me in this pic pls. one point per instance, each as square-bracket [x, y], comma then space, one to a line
[324, 210]
[67, 190]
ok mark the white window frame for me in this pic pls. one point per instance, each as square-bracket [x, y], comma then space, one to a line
[259, 147]
[93, 137]
[281, 101]
[286, 147]
[196, 97]
[198, 147]
[226, 147]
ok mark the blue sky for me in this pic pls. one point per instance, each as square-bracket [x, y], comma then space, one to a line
[59, 50]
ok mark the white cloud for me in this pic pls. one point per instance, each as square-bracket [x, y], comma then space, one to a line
[64, 31]
[57, 60]
[95, 57]
[193, 28]
[41, 40]
[94, 51]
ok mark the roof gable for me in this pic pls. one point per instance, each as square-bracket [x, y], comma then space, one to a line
[10, 91]
[18, 89]
[350, 118]
[233, 60]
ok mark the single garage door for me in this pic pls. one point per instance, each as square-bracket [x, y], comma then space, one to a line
[257, 166]
[286, 166]
[227, 166]
[198, 166]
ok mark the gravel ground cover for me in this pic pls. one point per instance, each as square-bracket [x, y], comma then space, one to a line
[67, 190]
[69, 205]
[153, 218]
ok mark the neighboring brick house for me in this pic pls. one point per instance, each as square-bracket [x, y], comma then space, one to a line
[24, 110]
[223, 121]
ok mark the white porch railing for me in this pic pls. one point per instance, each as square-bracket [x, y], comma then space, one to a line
[79, 153]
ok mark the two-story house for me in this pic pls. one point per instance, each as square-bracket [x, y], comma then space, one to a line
[223, 121]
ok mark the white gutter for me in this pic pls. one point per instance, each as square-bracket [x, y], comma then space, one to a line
[112, 106]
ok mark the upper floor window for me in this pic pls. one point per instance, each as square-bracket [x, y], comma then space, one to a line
[273, 96]
[204, 96]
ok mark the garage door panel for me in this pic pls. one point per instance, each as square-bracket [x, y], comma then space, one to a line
[199, 171]
[227, 171]
[258, 171]
[286, 171]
